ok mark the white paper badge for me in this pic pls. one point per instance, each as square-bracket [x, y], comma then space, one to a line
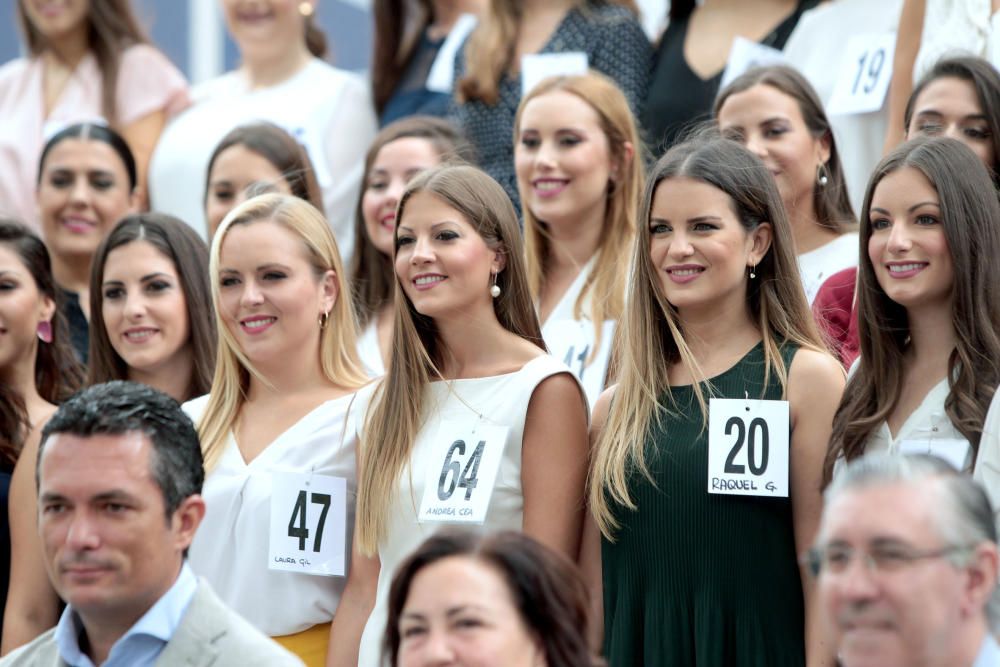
[308, 524]
[748, 447]
[464, 463]
[536, 67]
[864, 75]
[441, 76]
[953, 450]
[572, 341]
[746, 54]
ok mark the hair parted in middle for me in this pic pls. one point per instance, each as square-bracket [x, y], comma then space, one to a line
[338, 347]
[970, 218]
[179, 243]
[394, 416]
[652, 337]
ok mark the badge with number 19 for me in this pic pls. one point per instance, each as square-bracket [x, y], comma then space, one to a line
[748, 447]
[865, 73]
[308, 524]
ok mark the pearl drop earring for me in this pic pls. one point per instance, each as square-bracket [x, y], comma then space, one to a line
[495, 289]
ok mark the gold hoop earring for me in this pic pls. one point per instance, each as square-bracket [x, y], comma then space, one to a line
[323, 319]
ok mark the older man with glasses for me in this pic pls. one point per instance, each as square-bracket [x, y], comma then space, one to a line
[906, 562]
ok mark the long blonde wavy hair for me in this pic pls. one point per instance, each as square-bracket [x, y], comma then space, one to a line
[652, 335]
[338, 349]
[395, 415]
[605, 286]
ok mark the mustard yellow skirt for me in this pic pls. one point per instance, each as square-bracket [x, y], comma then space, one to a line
[310, 645]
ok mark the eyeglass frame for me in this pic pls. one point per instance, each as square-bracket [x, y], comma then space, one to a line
[813, 558]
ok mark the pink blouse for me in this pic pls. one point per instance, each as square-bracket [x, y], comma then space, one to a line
[147, 82]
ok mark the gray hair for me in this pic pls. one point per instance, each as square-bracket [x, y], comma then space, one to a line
[963, 517]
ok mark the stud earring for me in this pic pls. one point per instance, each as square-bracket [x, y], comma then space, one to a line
[45, 331]
[495, 289]
[753, 271]
[306, 9]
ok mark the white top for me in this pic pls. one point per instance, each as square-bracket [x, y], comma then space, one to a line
[987, 470]
[573, 340]
[503, 399]
[953, 28]
[817, 265]
[818, 37]
[328, 110]
[369, 351]
[230, 549]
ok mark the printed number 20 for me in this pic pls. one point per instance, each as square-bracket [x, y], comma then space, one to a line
[465, 478]
[297, 524]
[751, 441]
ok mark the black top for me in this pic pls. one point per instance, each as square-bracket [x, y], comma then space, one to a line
[5, 473]
[79, 328]
[411, 96]
[677, 96]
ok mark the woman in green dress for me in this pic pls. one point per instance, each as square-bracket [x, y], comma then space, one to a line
[700, 505]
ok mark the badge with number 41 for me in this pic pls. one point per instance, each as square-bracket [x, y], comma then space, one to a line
[308, 524]
[748, 447]
[462, 472]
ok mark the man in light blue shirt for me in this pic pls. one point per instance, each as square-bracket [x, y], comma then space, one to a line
[907, 562]
[119, 481]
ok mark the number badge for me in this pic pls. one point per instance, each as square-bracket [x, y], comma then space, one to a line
[308, 524]
[864, 76]
[462, 472]
[748, 447]
[573, 342]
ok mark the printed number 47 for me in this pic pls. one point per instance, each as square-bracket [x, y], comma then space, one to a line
[297, 524]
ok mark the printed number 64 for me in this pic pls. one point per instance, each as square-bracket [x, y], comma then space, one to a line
[452, 473]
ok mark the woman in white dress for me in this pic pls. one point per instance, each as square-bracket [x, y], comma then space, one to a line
[282, 79]
[399, 152]
[777, 115]
[580, 181]
[462, 428]
[929, 315]
[277, 423]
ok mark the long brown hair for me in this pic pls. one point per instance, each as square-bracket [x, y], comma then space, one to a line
[490, 49]
[651, 336]
[180, 244]
[397, 33]
[969, 216]
[372, 276]
[831, 203]
[111, 28]
[605, 286]
[394, 418]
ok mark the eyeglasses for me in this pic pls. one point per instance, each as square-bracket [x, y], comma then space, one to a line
[835, 559]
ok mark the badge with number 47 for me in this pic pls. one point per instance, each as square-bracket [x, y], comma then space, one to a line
[461, 472]
[308, 524]
[748, 447]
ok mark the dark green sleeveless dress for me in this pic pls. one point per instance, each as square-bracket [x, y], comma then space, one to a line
[700, 580]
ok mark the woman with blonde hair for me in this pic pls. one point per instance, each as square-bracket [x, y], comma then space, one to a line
[460, 429]
[580, 180]
[709, 451]
[276, 423]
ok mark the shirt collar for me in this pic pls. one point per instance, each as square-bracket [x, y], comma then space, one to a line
[989, 653]
[159, 622]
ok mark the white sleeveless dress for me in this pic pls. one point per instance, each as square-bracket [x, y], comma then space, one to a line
[501, 400]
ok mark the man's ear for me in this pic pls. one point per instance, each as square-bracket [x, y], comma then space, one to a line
[982, 580]
[187, 517]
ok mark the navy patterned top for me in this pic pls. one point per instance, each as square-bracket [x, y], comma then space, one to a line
[616, 46]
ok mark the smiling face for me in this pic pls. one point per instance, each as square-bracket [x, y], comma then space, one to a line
[143, 308]
[270, 297]
[83, 192]
[909, 614]
[770, 124]
[265, 28]
[58, 19]
[699, 248]
[950, 107]
[907, 247]
[234, 170]
[459, 611]
[22, 307]
[442, 263]
[563, 160]
[395, 164]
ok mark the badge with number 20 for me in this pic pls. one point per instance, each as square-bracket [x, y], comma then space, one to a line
[748, 447]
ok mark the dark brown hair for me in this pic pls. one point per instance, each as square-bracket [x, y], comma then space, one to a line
[830, 202]
[396, 36]
[372, 276]
[986, 82]
[545, 587]
[181, 245]
[57, 372]
[279, 148]
[969, 216]
[111, 28]
[93, 132]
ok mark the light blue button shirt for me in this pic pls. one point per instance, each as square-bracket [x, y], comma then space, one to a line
[989, 653]
[144, 641]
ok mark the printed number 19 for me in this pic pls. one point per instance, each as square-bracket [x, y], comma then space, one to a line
[465, 478]
[297, 524]
[874, 64]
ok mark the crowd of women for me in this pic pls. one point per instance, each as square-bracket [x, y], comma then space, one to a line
[629, 355]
